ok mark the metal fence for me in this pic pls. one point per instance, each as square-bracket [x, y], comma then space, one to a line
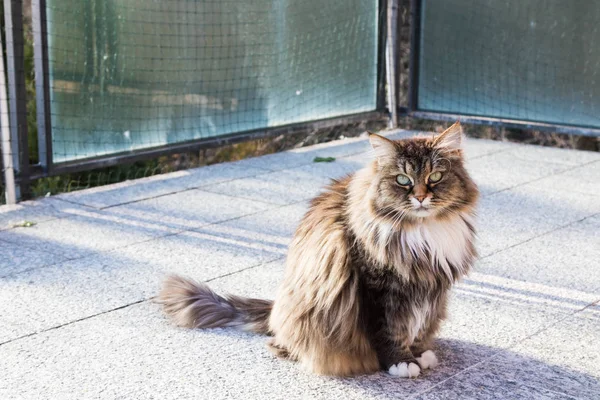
[526, 64]
[124, 80]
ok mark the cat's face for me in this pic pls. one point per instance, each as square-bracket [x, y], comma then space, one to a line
[421, 177]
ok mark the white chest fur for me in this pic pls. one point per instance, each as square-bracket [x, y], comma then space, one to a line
[446, 242]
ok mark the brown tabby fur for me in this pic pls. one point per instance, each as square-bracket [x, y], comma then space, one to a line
[367, 275]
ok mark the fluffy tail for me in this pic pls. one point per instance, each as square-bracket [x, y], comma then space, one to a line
[193, 304]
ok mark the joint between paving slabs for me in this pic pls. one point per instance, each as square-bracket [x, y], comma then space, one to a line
[571, 168]
[541, 235]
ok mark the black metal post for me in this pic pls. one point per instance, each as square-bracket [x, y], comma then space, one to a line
[392, 61]
[42, 84]
[415, 44]
[381, 47]
[13, 14]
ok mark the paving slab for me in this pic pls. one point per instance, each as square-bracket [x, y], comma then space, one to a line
[286, 186]
[54, 295]
[520, 214]
[571, 344]
[84, 233]
[529, 152]
[502, 171]
[186, 210]
[567, 258]
[90, 230]
[292, 185]
[34, 211]
[563, 299]
[275, 226]
[158, 185]
[477, 148]
[496, 318]
[15, 258]
[510, 375]
[583, 179]
[560, 362]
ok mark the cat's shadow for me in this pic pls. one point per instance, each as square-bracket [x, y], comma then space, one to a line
[473, 371]
[466, 371]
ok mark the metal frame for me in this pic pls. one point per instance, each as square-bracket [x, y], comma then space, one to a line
[13, 15]
[507, 123]
[217, 141]
[413, 84]
[48, 168]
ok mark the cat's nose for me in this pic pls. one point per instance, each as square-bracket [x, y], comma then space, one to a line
[420, 197]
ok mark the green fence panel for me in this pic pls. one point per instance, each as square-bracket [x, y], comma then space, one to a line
[134, 74]
[533, 60]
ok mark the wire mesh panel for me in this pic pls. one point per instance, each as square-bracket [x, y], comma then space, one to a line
[535, 60]
[131, 74]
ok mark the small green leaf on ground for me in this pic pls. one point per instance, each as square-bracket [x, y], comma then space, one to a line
[324, 159]
[24, 224]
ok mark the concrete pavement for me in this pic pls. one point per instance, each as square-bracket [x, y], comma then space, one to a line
[77, 320]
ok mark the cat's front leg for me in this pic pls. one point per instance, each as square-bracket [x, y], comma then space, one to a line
[423, 344]
[406, 367]
[426, 358]
[396, 359]
[421, 350]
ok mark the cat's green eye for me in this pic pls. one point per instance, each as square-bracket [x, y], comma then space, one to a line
[403, 180]
[435, 177]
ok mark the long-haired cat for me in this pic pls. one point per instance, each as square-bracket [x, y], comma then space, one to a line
[369, 269]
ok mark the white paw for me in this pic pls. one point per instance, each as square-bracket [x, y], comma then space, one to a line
[405, 370]
[428, 360]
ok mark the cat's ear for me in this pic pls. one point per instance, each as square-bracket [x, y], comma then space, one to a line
[451, 139]
[384, 148]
